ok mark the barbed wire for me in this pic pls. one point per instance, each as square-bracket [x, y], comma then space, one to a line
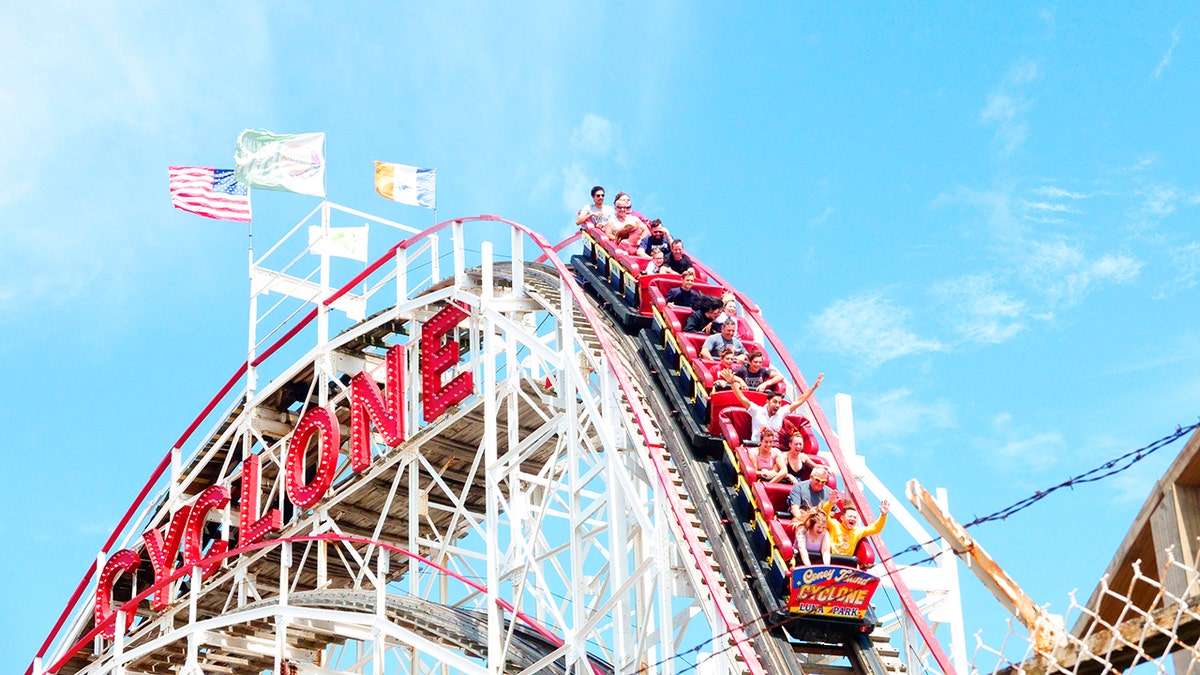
[1110, 468]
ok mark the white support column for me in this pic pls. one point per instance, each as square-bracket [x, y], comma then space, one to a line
[325, 364]
[414, 524]
[618, 546]
[380, 641]
[435, 262]
[281, 620]
[460, 264]
[662, 556]
[568, 386]
[193, 639]
[495, 629]
[952, 606]
[518, 262]
[401, 276]
[119, 642]
[252, 339]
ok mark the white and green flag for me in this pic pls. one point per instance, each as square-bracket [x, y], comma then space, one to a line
[343, 242]
[287, 162]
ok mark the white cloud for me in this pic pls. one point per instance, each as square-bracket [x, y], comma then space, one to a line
[997, 208]
[109, 88]
[1157, 203]
[1014, 450]
[819, 220]
[1039, 451]
[594, 136]
[886, 420]
[980, 312]
[577, 184]
[42, 267]
[1006, 107]
[1144, 162]
[1046, 206]
[594, 139]
[1166, 58]
[1063, 275]
[870, 327]
[1010, 132]
[1186, 262]
[1057, 192]
[1023, 72]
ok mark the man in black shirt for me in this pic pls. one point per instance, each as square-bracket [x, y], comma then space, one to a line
[703, 319]
[678, 260]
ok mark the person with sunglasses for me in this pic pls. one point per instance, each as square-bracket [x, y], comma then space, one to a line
[625, 229]
[808, 495]
[596, 214]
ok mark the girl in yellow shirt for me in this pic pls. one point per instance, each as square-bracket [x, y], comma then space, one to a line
[844, 534]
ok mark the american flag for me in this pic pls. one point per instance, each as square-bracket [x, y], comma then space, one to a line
[208, 192]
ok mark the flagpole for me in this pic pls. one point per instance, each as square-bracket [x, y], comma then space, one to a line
[251, 378]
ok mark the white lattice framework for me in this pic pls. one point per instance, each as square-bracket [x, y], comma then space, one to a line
[577, 528]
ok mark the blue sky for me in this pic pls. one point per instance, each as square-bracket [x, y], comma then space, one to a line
[980, 222]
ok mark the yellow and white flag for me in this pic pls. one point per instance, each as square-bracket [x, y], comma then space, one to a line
[406, 184]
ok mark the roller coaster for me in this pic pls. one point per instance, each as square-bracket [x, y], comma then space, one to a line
[504, 463]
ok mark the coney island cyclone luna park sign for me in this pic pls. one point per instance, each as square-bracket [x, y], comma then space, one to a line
[368, 408]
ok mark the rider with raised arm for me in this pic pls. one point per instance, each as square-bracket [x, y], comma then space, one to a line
[774, 412]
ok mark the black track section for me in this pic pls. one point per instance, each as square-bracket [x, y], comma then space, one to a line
[696, 455]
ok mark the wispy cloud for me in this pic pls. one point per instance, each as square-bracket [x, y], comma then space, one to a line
[94, 77]
[872, 328]
[1142, 163]
[45, 267]
[594, 136]
[1185, 261]
[887, 420]
[1045, 272]
[1057, 193]
[1006, 107]
[980, 312]
[1013, 449]
[824, 216]
[1064, 275]
[594, 139]
[1048, 206]
[1166, 58]
[1155, 203]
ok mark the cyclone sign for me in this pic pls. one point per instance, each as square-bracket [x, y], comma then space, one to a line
[831, 591]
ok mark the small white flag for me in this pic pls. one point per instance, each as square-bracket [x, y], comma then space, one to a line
[343, 242]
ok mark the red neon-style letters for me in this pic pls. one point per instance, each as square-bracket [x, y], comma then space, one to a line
[438, 357]
[162, 555]
[124, 560]
[251, 528]
[367, 406]
[213, 497]
[321, 422]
